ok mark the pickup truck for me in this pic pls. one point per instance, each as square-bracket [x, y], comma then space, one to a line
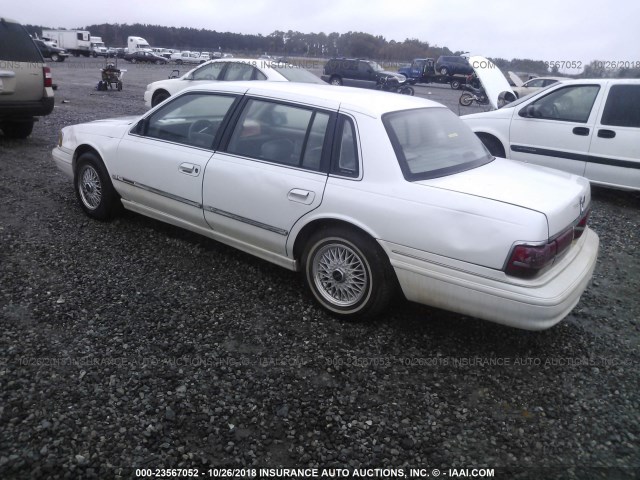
[422, 70]
[189, 57]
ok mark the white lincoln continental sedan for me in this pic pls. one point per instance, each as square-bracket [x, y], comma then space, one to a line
[361, 191]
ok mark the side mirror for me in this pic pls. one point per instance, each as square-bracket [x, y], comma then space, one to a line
[174, 74]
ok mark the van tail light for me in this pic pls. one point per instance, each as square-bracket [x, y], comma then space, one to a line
[527, 260]
[48, 79]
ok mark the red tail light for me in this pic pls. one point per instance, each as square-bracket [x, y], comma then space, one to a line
[527, 260]
[582, 225]
[48, 79]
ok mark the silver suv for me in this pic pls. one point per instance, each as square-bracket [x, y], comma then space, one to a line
[26, 89]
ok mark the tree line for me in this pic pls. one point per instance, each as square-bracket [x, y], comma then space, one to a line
[316, 45]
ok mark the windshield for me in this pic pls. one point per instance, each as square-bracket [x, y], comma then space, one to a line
[296, 74]
[433, 142]
[530, 95]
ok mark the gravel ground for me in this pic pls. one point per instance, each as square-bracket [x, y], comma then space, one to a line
[133, 344]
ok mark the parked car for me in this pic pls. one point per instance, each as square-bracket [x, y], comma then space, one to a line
[121, 52]
[145, 57]
[453, 65]
[533, 85]
[585, 127]
[48, 51]
[354, 72]
[26, 85]
[359, 190]
[227, 70]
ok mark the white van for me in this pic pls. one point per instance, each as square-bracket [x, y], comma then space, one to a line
[589, 127]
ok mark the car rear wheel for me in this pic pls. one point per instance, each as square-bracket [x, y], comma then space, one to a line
[455, 84]
[348, 273]
[335, 81]
[444, 71]
[17, 129]
[94, 189]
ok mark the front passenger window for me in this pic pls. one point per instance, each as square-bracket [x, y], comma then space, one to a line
[572, 104]
[209, 72]
[191, 119]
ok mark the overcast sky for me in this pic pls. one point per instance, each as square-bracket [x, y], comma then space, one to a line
[538, 29]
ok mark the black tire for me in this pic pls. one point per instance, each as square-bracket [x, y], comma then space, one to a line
[335, 80]
[455, 84]
[493, 144]
[119, 86]
[159, 62]
[55, 57]
[407, 90]
[62, 59]
[348, 273]
[133, 60]
[94, 55]
[466, 99]
[94, 189]
[159, 97]
[179, 62]
[17, 129]
[444, 71]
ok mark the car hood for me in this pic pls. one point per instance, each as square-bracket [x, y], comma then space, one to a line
[561, 197]
[495, 84]
[110, 127]
[517, 81]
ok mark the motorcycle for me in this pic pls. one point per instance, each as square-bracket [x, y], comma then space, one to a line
[390, 84]
[473, 94]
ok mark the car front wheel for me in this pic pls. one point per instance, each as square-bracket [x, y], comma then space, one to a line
[348, 273]
[55, 57]
[94, 189]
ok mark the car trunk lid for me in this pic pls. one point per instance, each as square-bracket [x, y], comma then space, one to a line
[561, 197]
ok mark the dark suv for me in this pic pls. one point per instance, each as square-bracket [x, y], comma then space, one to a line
[453, 66]
[26, 89]
[354, 72]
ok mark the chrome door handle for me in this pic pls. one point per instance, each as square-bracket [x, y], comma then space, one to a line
[189, 169]
[301, 196]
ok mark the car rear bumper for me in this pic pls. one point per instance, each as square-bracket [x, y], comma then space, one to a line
[535, 304]
[26, 110]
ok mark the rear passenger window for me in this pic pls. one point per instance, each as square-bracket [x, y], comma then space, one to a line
[280, 133]
[623, 106]
[345, 154]
[16, 45]
[240, 71]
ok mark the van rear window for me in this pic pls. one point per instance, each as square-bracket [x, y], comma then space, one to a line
[16, 45]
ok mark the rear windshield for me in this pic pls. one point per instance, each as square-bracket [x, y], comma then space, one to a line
[296, 74]
[433, 142]
[16, 44]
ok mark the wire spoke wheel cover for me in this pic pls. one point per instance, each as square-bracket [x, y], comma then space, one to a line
[90, 187]
[340, 274]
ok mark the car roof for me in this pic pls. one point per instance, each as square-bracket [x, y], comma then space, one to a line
[373, 103]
